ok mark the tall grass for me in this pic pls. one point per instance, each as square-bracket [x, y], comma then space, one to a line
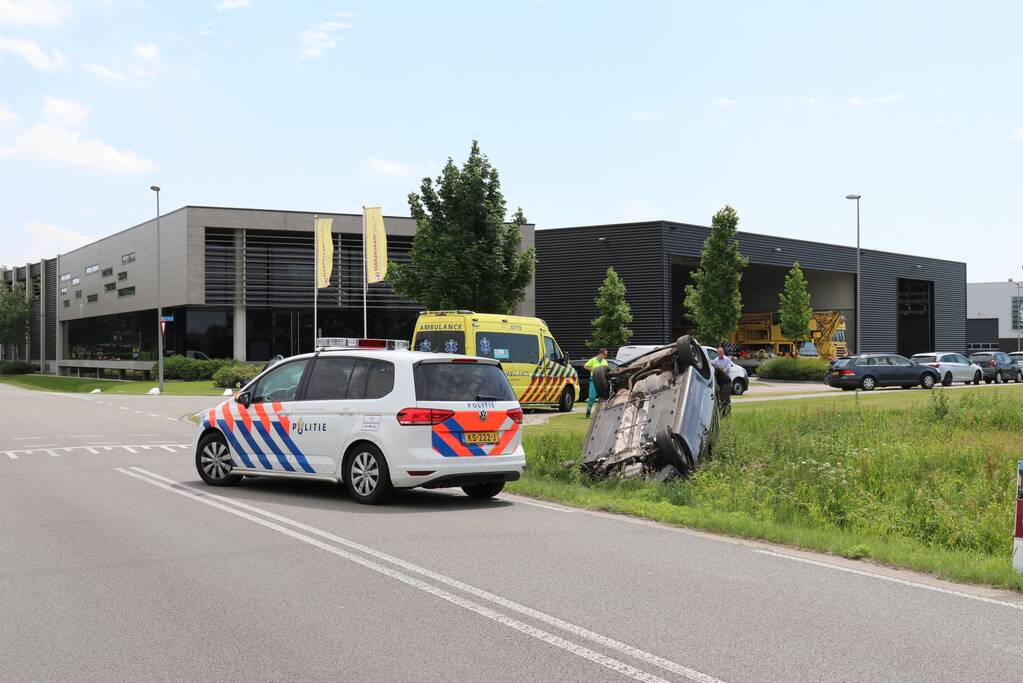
[939, 473]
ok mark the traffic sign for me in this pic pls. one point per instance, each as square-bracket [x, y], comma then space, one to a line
[167, 319]
[163, 328]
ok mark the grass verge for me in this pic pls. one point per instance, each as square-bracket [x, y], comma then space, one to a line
[917, 479]
[76, 385]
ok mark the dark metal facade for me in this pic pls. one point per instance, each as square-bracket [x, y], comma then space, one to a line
[572, 263]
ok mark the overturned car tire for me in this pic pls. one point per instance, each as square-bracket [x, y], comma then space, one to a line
[691, 355]
[599, 379]
[673, 452]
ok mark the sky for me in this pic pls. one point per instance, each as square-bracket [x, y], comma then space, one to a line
[593, 112]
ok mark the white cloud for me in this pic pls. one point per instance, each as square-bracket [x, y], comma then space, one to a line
[723, 102]
[105, 73]
[314, 42]
[41, 240]
[856, 101]
[645, 116]
[1017, 133]
[147, 52]
[639, 210]
[229, 5]
[34, 55]
[67, 111]
[57, 144]
[7, 116]
[32, 12]
[389, 167]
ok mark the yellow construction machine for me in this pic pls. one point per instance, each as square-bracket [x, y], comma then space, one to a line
[759, 337]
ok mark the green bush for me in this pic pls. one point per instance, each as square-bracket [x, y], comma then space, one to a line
[191, 369]
[801, 369]
[234, 376]
[16, 367]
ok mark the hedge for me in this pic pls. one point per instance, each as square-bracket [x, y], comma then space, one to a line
[191, 369]
[801, 369]
[235, 376]
[16, 367]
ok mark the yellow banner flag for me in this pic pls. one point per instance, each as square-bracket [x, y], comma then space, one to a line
[324, 252]
[375, 244]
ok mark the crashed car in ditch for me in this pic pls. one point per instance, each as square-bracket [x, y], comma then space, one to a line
[657, 415]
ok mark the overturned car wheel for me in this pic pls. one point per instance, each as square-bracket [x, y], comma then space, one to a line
[691, 355]
[599, 379]
[673, 451]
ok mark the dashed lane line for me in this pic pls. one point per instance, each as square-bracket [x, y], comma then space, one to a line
[54, 451]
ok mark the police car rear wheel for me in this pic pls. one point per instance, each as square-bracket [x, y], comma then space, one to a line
[366, 475]
[484, 490]
[213, 461]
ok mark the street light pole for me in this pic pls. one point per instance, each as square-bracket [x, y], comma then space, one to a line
[159, 290]
[858, 316]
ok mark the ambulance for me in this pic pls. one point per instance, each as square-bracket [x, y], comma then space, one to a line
[537, 368]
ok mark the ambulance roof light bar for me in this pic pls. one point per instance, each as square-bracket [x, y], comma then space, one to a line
[329, 343]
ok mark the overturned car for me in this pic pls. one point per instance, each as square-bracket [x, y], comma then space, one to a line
[658, 415]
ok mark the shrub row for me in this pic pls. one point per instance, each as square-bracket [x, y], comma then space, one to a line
[801, 369]
[192, 369]
[16, 367]
[235, 376]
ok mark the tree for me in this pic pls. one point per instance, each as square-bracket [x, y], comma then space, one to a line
[464, 256]
[14, 313]
[714, 302]
[795, 312]
[611, 327]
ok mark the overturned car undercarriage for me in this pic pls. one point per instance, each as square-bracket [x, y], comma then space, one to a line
[657, 416]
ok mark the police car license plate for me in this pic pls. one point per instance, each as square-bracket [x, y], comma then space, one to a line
[481, 437]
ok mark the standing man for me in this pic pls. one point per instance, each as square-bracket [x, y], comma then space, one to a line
[722, 362]
[591, 365]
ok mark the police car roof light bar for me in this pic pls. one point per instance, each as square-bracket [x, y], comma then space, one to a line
[323, 343]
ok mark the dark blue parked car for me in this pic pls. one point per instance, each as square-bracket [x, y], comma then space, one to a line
[871, 370]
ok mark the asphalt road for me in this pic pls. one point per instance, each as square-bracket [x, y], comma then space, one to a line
[117, 563]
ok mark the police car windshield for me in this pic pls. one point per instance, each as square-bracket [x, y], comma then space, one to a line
[461, 382]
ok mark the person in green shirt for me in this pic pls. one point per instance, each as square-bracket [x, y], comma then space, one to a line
[591, 365]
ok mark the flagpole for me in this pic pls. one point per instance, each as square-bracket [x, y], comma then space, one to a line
[365, 277]
[316, 278]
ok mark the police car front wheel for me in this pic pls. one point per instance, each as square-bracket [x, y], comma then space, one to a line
[213, 461]
[366, 476]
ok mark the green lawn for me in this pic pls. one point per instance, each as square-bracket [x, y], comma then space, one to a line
[77, 385]
[919, 479]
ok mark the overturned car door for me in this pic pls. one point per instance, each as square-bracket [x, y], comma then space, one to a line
[657, 416]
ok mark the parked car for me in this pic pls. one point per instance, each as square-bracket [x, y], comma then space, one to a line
[1018, 357]
[951, 367]
[584, 376]
[658, 415]
[997, 366]
[872, 370]
[736, 374]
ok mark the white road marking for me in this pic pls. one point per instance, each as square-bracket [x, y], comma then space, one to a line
[11, 455]
[129, 449]
[154, 415]
[893, 579]
[605, 641]
[146, 448]
[172, 419]
[53, 454]
[122, 407]
[138, 412]
[146, 434]
[27, 438]
[517, 499]
[550, 638]
[168, 449]
[92, 450]
[108, 448]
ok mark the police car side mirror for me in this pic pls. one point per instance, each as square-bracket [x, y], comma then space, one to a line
[244, 398]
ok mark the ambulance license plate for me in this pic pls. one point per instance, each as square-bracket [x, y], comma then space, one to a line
[481, 437]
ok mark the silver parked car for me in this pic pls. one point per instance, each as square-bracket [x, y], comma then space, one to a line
[658, 414]
[951, 367]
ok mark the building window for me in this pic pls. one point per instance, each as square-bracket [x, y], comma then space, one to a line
[127, 291]
[107, 272]
[67, 303]
[65, 277]
[89, 270]
[63, 290]
[78, 294]
[128, 258]
[92, 298]
[1017, 301]
[122, 275]
[110, 286]
[76, 281]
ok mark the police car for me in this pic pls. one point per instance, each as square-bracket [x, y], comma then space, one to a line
[373, 415]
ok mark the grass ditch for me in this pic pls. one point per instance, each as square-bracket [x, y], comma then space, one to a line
[924, 480]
